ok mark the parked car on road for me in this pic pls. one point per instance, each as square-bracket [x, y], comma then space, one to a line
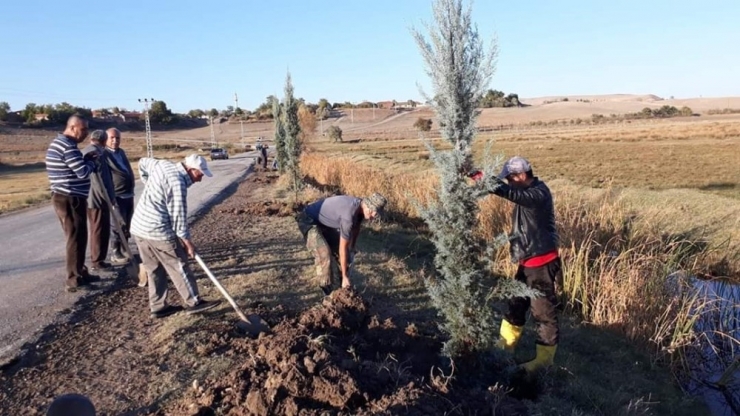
[219, 153]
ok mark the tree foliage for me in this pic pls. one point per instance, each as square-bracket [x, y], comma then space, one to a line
[460, 69]
[334, 133]
[292, 136]
[423, 124]
[4, 110]
[159, 113]
[495, 98]
[277, 116]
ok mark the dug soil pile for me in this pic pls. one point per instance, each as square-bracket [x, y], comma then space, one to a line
[338, 359]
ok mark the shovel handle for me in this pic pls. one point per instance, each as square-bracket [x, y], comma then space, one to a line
[220, 287]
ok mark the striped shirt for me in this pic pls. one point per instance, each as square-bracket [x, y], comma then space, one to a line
[68, 172]
[161, 213]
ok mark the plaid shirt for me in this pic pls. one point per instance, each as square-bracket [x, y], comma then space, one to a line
[161, 213]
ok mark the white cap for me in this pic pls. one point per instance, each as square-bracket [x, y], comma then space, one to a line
[198, 162]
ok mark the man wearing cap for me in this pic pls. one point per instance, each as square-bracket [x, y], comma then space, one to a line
[161, 232]
[98, 212]
[534, 244]
[330, 227]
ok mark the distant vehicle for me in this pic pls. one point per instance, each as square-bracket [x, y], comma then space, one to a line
[219, 153]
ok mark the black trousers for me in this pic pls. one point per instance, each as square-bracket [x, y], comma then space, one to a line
[72, 214]
[544, 308]
[99, 234]
[126, 208]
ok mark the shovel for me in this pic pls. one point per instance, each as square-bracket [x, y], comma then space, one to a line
[133, 268]
[251, 325]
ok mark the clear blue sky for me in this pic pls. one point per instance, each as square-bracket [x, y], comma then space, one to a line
[196, 54]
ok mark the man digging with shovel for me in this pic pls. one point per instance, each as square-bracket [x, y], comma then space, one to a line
[160, 228]
[330, 227]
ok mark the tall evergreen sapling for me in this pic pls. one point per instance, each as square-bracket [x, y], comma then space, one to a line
[460, 70]
[292, 136]
[277, 115]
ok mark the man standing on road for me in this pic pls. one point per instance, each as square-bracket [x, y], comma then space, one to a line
[330, 227]
[69, 177]
[98, 211]
[160, 228]
[123, 185]
[534, 246]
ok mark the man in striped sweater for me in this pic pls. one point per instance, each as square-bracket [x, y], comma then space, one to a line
[69, 177]
[160, 229]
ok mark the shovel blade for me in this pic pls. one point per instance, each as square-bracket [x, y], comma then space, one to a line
[254, 326]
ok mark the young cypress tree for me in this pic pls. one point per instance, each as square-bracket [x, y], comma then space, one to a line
[277, 115]
[292, 136]
[460, 70]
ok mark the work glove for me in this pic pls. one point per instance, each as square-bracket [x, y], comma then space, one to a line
[475, 174]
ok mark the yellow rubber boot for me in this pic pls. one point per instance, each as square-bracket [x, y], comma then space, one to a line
[510, 335]
[544, 358]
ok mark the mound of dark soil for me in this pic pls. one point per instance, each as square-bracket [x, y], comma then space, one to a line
[337, 359]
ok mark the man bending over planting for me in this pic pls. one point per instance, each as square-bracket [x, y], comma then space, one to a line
[330, 227]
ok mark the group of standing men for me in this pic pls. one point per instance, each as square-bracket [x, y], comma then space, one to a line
[96, 186]
[85, 185]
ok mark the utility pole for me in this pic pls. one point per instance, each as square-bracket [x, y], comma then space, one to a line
[241, 122]
[213, 134]
[149, 151]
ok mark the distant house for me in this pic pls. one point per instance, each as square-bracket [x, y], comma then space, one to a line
[129, 116]
[407, 104]
[386, 105]
[40, 116]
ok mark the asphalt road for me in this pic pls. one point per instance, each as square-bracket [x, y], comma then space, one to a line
[32, 268]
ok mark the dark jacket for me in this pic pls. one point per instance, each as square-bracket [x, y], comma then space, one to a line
[533, 221]
[123, 176]
[100, 180]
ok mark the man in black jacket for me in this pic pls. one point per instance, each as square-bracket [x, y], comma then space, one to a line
[123, 184]
[534, 247]
[98, 212]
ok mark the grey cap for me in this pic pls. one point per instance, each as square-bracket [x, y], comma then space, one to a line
[376, 202]
[516, 164]
[98, 136]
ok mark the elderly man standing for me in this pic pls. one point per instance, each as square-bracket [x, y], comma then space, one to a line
[98, 211]
[330, 227]
[69, 177]
[160, 228]
[123, 185]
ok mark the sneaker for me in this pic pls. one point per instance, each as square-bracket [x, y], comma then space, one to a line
[202, 306]
[118, 258]
[166, 311]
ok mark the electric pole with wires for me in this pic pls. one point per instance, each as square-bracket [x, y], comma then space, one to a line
[241, 121]
[149, 150]
[213, 134]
